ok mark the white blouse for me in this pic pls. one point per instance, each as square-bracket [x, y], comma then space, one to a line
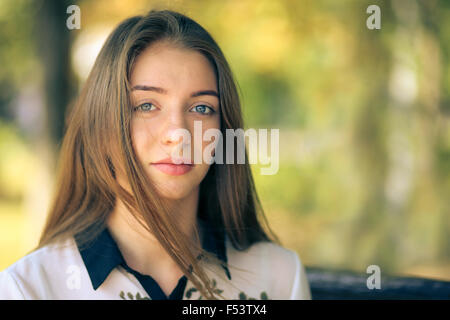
[58, 271]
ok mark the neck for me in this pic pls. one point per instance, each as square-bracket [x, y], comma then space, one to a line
[141, 249]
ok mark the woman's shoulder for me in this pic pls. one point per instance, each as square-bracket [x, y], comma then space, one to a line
[20, 280]
[44, 256]
[272, 254]
[280, 269]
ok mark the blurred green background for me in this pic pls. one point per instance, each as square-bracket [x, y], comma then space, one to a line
[364, 118]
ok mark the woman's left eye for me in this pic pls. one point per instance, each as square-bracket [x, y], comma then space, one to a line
[203, 109]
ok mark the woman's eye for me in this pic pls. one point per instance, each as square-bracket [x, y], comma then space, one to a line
[145, 107]
[203, 109]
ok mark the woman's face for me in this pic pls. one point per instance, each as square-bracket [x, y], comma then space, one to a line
[172, 88]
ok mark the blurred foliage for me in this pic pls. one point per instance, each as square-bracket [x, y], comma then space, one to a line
[364, 173]
[18, 63]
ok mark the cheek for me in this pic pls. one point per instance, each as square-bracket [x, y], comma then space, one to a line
[142, 138]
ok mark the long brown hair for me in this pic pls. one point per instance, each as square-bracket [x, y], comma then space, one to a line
[86, 186]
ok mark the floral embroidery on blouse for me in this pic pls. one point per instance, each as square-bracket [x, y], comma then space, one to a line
[241, 296]
[132, 297]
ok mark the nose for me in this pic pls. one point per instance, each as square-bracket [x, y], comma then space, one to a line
[172, 136]
[175, 129]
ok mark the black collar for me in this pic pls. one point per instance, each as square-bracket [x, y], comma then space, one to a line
[103, 254]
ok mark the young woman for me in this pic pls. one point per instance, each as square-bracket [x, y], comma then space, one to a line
[131, 221]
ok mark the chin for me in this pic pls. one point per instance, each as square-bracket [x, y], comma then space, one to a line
[174, 191]
[173, 194]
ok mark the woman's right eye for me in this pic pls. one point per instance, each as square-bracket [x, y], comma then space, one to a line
[145, 107]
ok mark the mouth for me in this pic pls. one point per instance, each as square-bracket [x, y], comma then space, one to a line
[168, 166]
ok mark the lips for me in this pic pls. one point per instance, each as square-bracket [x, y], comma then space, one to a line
[169, 166]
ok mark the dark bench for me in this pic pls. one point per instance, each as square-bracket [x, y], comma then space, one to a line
[333, 284]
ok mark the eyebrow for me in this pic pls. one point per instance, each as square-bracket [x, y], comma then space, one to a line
[164, 91]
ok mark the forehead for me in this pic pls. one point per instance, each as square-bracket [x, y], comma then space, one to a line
[170, 67]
